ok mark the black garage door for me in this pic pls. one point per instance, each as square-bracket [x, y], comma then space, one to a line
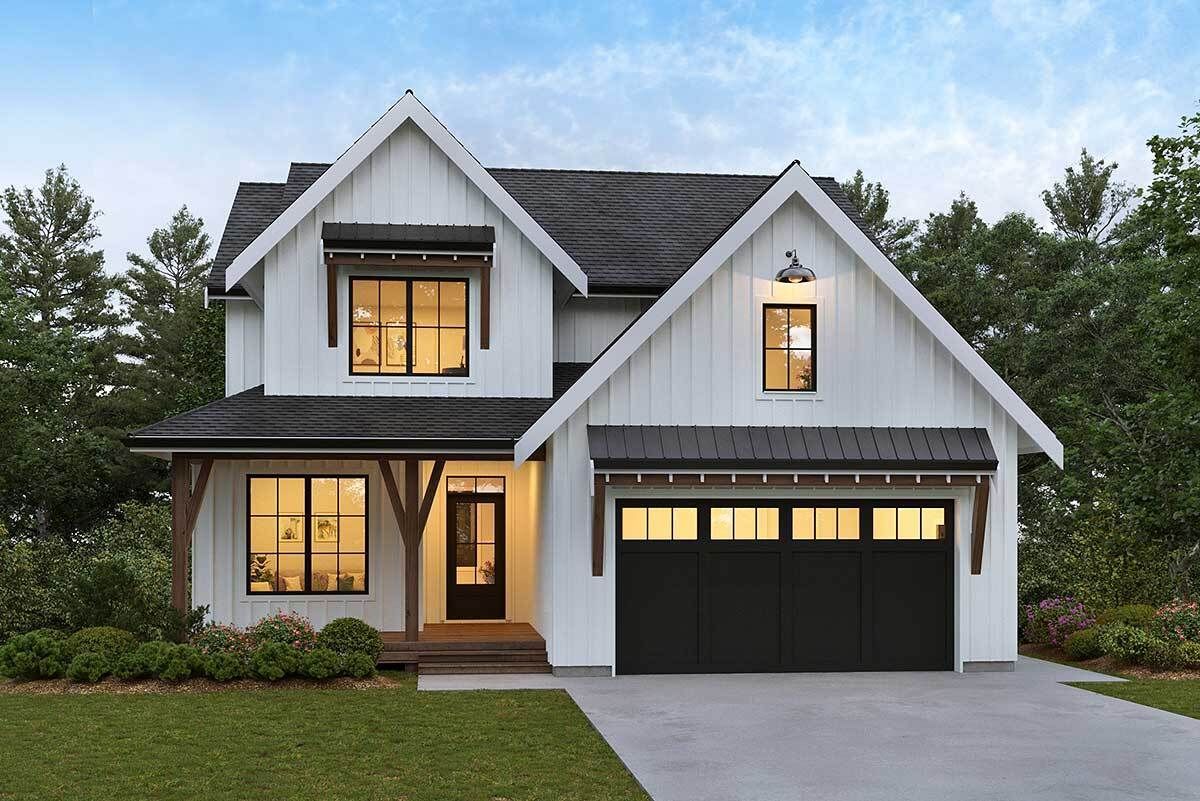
[724, 586]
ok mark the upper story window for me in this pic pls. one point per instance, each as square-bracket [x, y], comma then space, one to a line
[408, 326]
[789, 348]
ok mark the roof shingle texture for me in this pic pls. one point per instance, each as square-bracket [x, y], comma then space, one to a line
[626, 230]
[252, 416]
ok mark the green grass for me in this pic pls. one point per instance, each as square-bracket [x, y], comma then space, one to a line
[389, 743]
[1181, 696]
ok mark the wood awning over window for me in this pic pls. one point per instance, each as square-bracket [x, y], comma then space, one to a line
[409, 246]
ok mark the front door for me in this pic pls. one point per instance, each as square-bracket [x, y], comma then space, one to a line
[474, 556]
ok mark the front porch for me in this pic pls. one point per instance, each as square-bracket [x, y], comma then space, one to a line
[468, 648]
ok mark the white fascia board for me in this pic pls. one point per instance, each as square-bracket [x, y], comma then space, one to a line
[404, 109]
[793, 180]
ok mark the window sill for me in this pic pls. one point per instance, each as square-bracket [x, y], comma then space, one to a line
[277, 597]
[783, 394]
[368, 378]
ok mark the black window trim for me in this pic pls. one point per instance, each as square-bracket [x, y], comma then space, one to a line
[308, 477]
[812, 307]
[408, 326]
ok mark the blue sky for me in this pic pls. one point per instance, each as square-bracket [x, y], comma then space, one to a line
[152, 105]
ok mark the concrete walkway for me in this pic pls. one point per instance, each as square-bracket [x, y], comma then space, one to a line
[885, 736]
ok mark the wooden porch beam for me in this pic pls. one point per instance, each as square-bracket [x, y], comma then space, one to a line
[598, 525]
[331, 301]
[751, 480]
[185, 509]
[979, 515]
[407, 260]
[393, 492]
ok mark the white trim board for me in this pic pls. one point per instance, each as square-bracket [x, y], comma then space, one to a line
[405, 109]
[793, 180]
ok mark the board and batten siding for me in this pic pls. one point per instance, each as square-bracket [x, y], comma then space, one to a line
[408, 179]
[585, 326]
[243, 345]
[877, 365]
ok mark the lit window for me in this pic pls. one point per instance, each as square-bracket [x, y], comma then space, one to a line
[789, 348]
[825, 523]
[307, 534]
[909, 523]
[658, 523]
[744, 523]
[402, 326]
[488, 485]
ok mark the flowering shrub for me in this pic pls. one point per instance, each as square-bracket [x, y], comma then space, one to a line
[285, 628]
[219, 638]
[1178, 621]
[1054, 619]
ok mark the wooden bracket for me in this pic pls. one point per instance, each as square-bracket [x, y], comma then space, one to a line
[185, 510]
[485, 306]
[393, 492]
[598, 525]
[979, 515]
[331, 300]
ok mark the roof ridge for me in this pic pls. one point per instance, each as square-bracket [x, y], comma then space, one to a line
[635, 172]
[279, 184]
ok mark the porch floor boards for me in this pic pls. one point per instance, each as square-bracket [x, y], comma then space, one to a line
[468, 648]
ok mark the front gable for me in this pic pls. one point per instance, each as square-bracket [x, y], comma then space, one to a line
[884, 355]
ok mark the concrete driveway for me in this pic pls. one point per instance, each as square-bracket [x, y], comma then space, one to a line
[891, 737]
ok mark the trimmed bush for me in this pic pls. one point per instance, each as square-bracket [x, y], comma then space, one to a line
[359, 666]
[145, 661]
[1178, 621]
[273, 660]
[183, 662]
[1083, 645]
[1054, 619]
[1189, 655]
[1164, 655]
[1139, 615]
[349, 635]
[320, 663]
[219, 638]
[40, 654]
[110, 643]
[1126, 643]
[224, 666]
[284, 628]
[88, 667]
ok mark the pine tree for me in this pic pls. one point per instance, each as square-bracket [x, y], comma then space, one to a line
[872, 201]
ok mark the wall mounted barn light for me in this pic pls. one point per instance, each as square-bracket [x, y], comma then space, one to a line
[795, 272]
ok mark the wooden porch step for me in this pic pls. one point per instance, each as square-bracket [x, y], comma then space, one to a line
[403, 646]
[480, 668]
[482, 656]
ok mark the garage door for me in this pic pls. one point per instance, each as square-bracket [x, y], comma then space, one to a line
[722, 586]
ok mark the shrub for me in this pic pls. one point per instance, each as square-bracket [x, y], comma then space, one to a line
[1138, 615]
[349, 635]
[218, 638]
[183, 662]
[108, 642]
[274, 660]
[1083, 644]
[360, 666]
[1163, 654]
[1178, 621]
[320, 663]
[284, 628]
[88, 667]
[1054, 619]
[40, 654]
[1126, 643]
[147, 660]
[1189, 655]
[224, 666]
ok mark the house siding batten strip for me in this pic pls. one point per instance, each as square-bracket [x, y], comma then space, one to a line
[878, 366]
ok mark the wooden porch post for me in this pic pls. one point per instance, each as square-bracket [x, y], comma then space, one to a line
[185, 509]
[412, 550]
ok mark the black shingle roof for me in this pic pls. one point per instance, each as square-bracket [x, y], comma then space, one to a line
[626, 230]
[790, 448]
[252, 419]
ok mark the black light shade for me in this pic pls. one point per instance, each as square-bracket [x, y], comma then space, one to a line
[795, 272]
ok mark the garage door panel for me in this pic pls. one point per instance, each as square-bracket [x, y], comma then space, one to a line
[658, 612]
[910, 592]
[742, 609]
[826, 609]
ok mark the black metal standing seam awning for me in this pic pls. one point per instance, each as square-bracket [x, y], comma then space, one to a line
[806, 448]
[407, 237]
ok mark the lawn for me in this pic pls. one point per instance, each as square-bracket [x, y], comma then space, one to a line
[386, 743]
[1181, 696]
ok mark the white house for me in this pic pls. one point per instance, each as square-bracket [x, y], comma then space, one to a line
[600, 421]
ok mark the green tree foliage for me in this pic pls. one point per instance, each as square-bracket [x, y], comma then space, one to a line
[176, 346]
[872, 201]
[1087, 202]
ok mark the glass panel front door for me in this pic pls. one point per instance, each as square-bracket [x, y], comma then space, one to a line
[474, 556]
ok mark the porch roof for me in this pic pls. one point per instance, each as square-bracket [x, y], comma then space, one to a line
[253, 419]
[810, 448]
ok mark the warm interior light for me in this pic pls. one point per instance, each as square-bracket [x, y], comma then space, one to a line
[795, 272]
